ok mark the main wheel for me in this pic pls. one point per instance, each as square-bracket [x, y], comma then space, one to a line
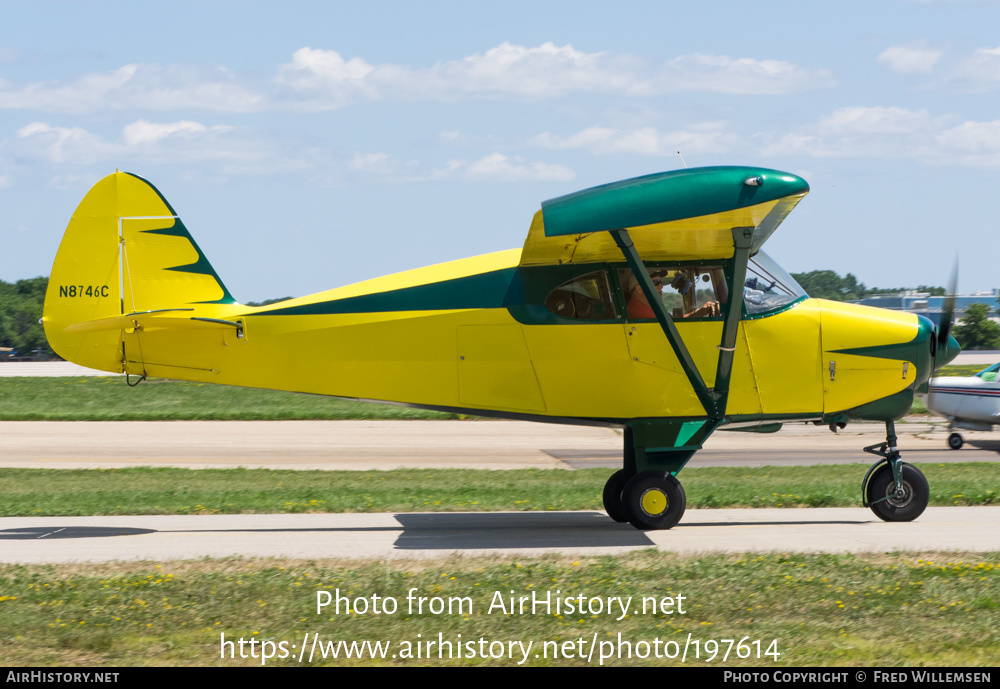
[654, 500]
[955, 441]
[905, 507]
[613, 496]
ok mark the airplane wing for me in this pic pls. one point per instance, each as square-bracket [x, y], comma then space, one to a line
[679, 215]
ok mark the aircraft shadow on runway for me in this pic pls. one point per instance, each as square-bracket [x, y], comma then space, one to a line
[58, 532]
[488, 530]
[450, 530]
[989, 445]
[425, 531]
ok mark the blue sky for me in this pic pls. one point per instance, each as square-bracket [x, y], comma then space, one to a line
[311, 145]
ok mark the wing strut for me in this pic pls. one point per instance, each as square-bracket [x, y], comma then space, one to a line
[713, 400]
[742, 243]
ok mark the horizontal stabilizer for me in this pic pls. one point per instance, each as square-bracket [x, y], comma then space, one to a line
[150, 320]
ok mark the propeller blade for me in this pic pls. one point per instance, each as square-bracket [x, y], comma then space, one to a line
[948, 313]
[943, 346]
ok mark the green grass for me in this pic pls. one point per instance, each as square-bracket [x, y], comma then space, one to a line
[818, 610]
[37, 492]
[960, 370]
[108, 399]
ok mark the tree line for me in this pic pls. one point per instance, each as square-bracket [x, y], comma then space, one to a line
[826, 284]
[20, 308]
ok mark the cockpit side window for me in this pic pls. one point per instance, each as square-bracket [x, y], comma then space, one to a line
[584, 298]
[686, 291]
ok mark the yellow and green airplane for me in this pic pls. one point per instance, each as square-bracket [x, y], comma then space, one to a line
[645, 304]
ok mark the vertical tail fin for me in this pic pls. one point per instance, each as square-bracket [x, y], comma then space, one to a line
[125, 250]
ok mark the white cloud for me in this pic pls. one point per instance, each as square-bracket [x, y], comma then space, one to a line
[977, 73]
[497, 167]
[66, 180]
[375, 163]
[909, 59]
[138, 87]
[890, 132]
[184, 141]
[708, 137]
[494, 167]
[61, 145]
[318, 79]
[6, 181]
[143, 132]
[972, 143]
[874, 120]
[322, 79]
[722, 74]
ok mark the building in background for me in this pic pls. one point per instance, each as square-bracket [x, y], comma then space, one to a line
[924, 304]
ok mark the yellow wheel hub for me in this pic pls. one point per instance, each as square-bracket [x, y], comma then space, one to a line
[654, 502]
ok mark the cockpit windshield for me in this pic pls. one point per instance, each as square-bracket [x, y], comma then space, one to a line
[768, 286]
[989, 374]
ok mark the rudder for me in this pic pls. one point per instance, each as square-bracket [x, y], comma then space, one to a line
[125, 250]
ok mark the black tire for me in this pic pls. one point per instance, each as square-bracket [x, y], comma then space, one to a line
[654, 500]
[906, 508]
[613, 496]
[955, 441]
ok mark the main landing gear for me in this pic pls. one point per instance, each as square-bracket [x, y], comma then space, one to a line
[894, 490]
[645, 492]
[649, 500]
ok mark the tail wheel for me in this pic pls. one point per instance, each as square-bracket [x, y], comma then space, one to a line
[955, 441]
[654, 500]
[905, 506]
[613, 496]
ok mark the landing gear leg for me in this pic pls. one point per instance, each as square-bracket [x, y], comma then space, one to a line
[646, 492]
[894, 490]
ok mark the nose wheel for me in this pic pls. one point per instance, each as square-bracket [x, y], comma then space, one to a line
[894, 490]
[902, 504]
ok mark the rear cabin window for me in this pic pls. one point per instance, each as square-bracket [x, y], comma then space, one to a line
[584, 298]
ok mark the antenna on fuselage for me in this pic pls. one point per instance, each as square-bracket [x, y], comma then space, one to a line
[682, 159]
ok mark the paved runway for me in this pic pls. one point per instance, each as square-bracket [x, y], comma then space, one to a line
[437, 535]
[478, 444]
[436, 444]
